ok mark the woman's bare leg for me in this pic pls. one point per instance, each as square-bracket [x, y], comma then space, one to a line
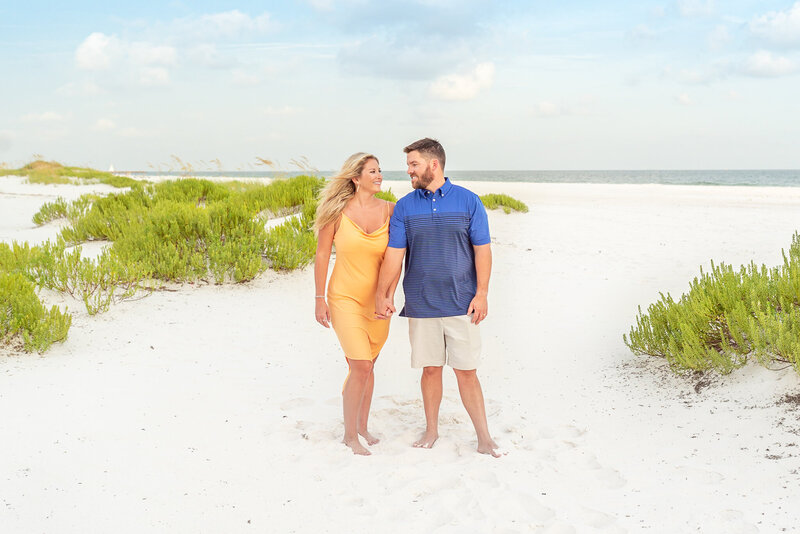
[352, 395]
[363, 411]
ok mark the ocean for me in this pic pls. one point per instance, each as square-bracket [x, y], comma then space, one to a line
[779, 178]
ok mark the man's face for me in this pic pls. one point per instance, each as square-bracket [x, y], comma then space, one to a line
[419, 170]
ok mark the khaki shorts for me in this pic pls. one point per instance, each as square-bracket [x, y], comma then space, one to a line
[437, 341]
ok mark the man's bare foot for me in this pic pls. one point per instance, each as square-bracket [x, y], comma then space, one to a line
[427, 440]
[356, 446]
[488, 448]
[371, 440]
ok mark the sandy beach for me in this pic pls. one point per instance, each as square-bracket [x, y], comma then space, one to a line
[217, 408]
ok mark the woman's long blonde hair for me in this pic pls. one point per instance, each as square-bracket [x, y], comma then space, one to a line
[339, 189]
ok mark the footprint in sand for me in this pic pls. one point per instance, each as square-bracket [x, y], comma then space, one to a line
[600, 520]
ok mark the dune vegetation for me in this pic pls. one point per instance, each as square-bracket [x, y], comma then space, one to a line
[728, 317]
[494, 201]
[52, 172]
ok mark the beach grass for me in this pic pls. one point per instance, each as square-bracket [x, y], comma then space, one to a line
[728, 317]
[494, 201]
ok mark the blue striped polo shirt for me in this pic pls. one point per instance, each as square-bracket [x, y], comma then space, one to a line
[438, 231]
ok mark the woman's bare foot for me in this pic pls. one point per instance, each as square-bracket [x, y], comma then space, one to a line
[488, 448]
[371, 440]
[356, 446]
[427, 440]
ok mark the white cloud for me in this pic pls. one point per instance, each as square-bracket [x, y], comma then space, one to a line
[463, 86]
[695, 8]
[47, 116]
[765, 64]
[684, 99]
[97, 52]
[149, 54]
[104, 125]
[227, 24]
[780, 27]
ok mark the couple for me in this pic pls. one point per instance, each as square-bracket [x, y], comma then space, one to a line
[442, 231]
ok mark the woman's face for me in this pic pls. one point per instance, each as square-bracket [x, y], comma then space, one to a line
[371, 177]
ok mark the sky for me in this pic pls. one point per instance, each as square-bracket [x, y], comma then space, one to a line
[512, 85]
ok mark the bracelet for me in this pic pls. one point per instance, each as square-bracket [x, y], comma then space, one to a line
[319, 296]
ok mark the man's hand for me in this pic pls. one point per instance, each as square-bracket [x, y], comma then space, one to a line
[384, 307]
[478, 308]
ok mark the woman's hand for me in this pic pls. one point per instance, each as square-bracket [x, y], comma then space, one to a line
[322, 313]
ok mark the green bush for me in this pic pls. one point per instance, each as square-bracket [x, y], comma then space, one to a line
[727, 317]
[387, 195]
[24, 318]
[494, 201]
[52, 172]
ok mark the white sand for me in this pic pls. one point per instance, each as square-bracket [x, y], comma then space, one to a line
[217, 409]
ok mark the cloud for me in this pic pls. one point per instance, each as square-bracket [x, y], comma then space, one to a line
[104, 125]
[764, 64]
[779, 27]
[463, 86]
[684, 99]
[47, 116]
[400, 58]
[143, 62]
[150, 54]
[695, 8]
[227, 25]
[245, 78]
[97, 52]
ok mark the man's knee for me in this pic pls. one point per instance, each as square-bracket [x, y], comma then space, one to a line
[468, 376]
[431, 372]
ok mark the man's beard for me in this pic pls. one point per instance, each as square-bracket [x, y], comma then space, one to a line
[423, 180]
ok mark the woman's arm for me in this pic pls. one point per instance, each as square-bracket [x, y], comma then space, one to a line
[321, 261]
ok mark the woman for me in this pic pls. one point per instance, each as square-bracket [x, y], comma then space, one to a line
[351, 217]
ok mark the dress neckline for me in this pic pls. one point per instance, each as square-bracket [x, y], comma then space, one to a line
[364, 231]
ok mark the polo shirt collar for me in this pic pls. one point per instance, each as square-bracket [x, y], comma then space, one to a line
[442, 191]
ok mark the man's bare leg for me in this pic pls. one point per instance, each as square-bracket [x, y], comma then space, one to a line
[363, 411]
[431, 384]
[352, 394]
[471, 395]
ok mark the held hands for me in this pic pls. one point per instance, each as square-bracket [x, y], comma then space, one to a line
[322, 313]
[478, 308]
[384, 307]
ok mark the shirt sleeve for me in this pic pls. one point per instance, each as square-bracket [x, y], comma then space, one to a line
[397, 227]
[479, 224]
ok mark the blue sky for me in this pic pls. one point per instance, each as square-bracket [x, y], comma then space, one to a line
[680, 84]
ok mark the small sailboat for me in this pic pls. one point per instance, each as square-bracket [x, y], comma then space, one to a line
[111, 168]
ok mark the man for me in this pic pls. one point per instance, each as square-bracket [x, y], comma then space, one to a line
[443, 232]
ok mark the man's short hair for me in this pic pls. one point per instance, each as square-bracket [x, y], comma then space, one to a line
[428, 149]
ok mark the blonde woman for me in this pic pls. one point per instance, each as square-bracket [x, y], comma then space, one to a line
[351, 217]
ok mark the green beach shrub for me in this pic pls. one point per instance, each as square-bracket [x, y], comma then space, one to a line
[727, 317]
[24, 320]
[52, 172]
[387, 195]
[50, 211]
[494, 201]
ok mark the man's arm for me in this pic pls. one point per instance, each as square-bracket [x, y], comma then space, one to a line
[387, 281]
[479, 307]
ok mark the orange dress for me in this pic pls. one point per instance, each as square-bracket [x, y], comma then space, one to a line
[351, 290]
